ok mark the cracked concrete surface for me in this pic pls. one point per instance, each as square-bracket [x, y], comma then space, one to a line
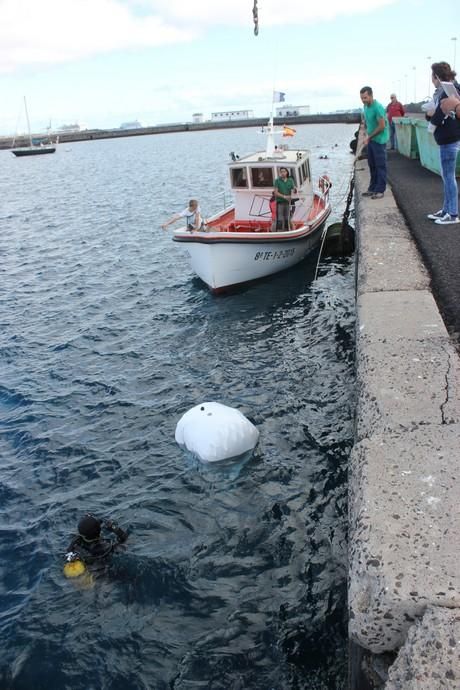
[430, 657]
[404, 496]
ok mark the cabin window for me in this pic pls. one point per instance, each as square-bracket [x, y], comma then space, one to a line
[306, 170]
[239, 177]
[262, 177]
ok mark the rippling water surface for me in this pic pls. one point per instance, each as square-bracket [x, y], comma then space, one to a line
[234, 577]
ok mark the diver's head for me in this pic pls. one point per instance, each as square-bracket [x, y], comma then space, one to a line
[89, 528]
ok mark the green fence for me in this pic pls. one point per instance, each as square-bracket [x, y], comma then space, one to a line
[415, 140]
[406, 137]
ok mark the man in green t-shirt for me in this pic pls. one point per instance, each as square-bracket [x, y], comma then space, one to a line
[284, 186]
[378, 133]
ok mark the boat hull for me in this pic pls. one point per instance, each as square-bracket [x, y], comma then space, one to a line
[227, 261]
[39, 151]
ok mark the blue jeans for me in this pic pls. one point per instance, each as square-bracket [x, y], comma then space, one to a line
[377, 161]
[448, 154]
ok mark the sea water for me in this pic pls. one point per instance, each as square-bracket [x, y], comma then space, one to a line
[233, 576]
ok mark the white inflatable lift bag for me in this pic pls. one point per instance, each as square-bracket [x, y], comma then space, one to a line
[215, 432]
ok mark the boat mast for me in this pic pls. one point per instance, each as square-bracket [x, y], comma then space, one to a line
[28, 123]
[271, 131]
[269, 151]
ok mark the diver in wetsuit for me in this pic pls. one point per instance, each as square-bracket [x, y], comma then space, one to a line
[89, 547]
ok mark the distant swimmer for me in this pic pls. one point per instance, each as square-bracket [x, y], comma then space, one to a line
[89, 547]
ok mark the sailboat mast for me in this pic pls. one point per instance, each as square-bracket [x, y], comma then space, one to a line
[28, 123]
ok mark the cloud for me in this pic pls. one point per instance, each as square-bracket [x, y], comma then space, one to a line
[45, 32]
[271, 12]
[328, 92]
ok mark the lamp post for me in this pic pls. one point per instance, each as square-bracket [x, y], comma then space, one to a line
[405, 88]
[415, 84]
[454, 39]
[429, 74]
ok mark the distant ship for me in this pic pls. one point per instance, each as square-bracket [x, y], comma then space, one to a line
[74, 127]
[135, 124]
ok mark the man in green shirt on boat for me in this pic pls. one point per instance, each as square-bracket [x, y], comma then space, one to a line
[378, 133]
[284, 186]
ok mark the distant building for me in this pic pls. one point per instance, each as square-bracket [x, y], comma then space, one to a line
[232, 115]
[135, 124]
[197, 118]
[292, 110]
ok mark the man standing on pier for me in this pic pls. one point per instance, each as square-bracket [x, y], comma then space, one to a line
[394, 109]
[377, 136]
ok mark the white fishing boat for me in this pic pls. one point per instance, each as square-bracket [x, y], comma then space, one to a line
[239, 244]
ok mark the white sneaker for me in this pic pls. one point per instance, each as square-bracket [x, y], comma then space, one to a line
[447, 220]
[438, 214]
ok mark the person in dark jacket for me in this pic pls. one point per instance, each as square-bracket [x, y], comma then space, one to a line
[90, 547]
[447, 135]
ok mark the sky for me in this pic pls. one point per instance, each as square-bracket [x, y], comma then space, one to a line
[104, 62]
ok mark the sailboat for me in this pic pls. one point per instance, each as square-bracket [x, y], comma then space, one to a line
[35, 147]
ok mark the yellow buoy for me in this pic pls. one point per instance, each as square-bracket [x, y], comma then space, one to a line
[74, 568]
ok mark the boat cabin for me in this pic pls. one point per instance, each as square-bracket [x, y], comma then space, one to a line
[252, 180]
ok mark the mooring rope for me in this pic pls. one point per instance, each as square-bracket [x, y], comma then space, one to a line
[323, 239]
[346, 214]
[345, 217]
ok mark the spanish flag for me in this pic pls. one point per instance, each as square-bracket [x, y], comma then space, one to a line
[288, 131]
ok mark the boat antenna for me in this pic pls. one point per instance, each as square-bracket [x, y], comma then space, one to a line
[270, 149]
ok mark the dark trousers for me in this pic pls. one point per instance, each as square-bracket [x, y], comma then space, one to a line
[282, 214]
[377, 161]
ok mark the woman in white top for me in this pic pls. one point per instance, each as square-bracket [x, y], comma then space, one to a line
[192, 215]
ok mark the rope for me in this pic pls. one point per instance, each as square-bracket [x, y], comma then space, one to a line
[323, 239]
[345, 217]
[155, 487]
[255, 16]
[349, 200]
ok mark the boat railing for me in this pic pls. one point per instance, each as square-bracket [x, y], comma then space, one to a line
[324, 185]
[221, 199]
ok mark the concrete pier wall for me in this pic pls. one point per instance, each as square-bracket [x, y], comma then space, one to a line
[96, 134]
[404, 490]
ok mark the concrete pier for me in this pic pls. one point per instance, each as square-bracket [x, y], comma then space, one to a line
[6, 142]
[404, 491]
